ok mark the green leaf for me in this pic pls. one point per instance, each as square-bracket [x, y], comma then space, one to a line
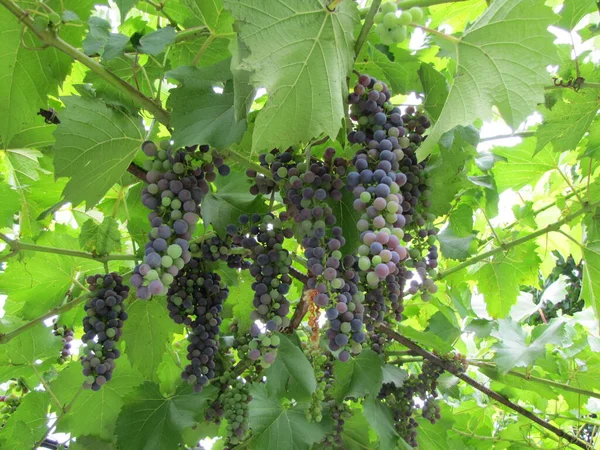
[301, 53]
[441, 327]
[400, 75]
[456, 15]
[591, 277]
[500, 63]
[100, 239]
[436, 89]
[9, 205]
[231, 199]
[347, 217]
[100, 41]
[381, 419]
[394, 374]
[575, 10]
[148, 330]
[22, 166]
[500, 278]
[593, 146]
[39, 282]
[124, 7]
[433, 436]
[426, 339]
[361, 375]
[212, 14]
[150, 421]
[455, 239]
[155, 42]
[274, 426]
[243, 92]
[94, 146]
[26, 426]
[566, 123]
[90, 443]
[522, 166]
[512, 349]
[94, 413]
[355, 433]
[299, 368]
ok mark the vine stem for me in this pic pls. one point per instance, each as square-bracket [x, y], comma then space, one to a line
[160, 7]
[364, 31]
[50, 39]
[334, 4]
[514, 373]
[480, 387]
[4, 338]
[437, 33]
[508, 245]
[18, 246]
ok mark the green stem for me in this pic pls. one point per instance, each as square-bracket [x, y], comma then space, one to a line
[508, 245]
[189, 34]
[524, 134]
[46, 386]
[364, 31]
[160, 7]
[514, 373]
[437, 33]
[232, 154]
[334, 4]
[49, 38]
[4, 338]
[18, 246]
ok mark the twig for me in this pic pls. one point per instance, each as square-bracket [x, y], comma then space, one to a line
[480, 387]
[160, 7]
[523, 134]
[137, 171]
[514, 373]
[49, 38]
[203, 49]
[46, 386]
[4, 338]
[437, 33]
[508, 245]
[333, 4]
[364, 31]
[18, 246]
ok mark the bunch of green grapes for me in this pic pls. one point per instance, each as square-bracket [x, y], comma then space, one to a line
[390, 22]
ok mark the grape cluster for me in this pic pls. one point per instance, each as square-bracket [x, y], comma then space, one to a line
[227, 249]
[15, 390]
[67, 336]
[195, 299]
[234, 401]
[278, 163]
[102, 327]
[178, 180]
[324, 376]
[390, 24]
[339, 413]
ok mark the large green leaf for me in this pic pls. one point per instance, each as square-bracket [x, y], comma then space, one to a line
[591, 276]
[94, 146]
[147, 333]
[501, 63]
[28, 424]
[436, 88]
[381, 419]
[301, 53]
[102, 238]
[512, 349]
[574, 10]
[274, 426]
[499, 279]
[9, 205]
[521, 167]
[150, 421]
[361, 375]
[566, 123]
[94, 413]
[298, 367]
[455, 239]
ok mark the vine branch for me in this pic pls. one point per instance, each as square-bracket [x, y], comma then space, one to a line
[18, 246]
[49, 38]
[480, 387]
[364, 31]
[4, 338]
[508, 245]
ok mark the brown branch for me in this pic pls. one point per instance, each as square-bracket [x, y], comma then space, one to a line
[480, 387]
[137, 171]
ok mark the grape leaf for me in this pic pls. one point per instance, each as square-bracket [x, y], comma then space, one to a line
[566, 123]
[90, 443]
[381, 419]
[512, 349]
[26, 426]
[243, 92]
[347, 218]
[298, 367]
[148, 330]
[363, 374]
[355, 433]
[499, 279]
[455, 239]
[575, 10]
[231, 199]
[433, 436]
[9, 205]
[394, 374]
[456, 15]
[301, 53]
[436, 88]
[212, 14]
[150, 421]
[274, 426]
[94, 413]
[94, 146]
[590, 286]
[124, 7]
[100, 40]
[100, 239]
[400, 75]
[22, 166]
[593, 146]
[500, 63]
[154, 43]
[39, 282]
[522, 166]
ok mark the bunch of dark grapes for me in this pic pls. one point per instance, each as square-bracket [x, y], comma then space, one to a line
[67, 336]
[270, 268]
[278, 163]
[234, 401]
[226, 249]
[339, 413]
[178, 180]
[195, 299]
[102, 327]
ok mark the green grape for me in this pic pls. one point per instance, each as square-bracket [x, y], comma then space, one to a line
[390, 20]
[54, 18]
[174, 251]
[405, 18]
[40, 23]
[388, 8]
[398, 34]
[416, 13]
[386, 37]
[378, 17]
